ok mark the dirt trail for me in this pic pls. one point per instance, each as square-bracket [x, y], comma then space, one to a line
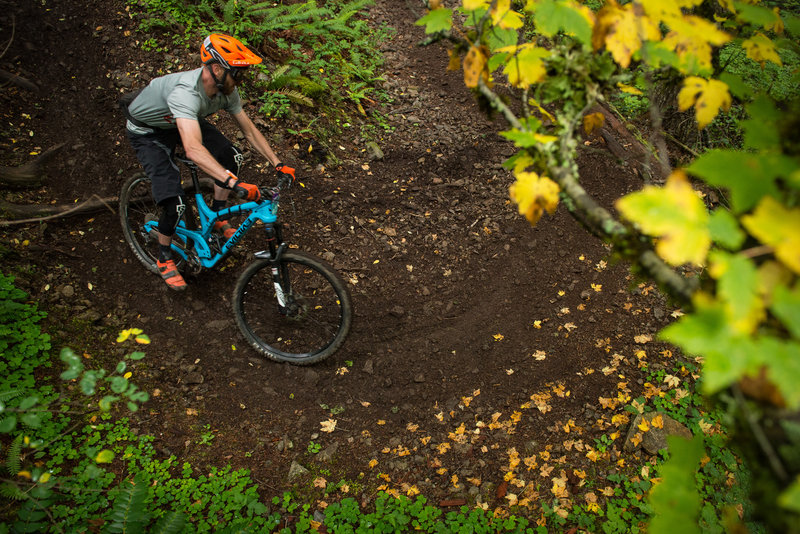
[463, 311]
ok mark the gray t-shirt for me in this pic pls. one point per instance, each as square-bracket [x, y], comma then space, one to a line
[178, 96]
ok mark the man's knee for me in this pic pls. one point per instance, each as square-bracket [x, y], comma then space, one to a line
[232, 159]
[172, 211]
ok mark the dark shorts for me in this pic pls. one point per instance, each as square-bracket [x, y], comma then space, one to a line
[155, 151]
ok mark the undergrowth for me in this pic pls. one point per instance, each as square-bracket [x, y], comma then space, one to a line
[65, 470]
[322, 62]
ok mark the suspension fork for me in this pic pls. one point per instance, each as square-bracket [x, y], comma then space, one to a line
[280, 273]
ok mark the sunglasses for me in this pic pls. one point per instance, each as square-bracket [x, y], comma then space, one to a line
[237, 73]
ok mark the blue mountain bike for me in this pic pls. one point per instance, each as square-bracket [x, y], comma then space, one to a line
[290, 306]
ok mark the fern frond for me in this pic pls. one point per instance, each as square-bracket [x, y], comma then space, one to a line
[297, 97]
[171, 523]
[13, 462]
[128, 512]
[9, 394]
[11, 491]
[229, 11]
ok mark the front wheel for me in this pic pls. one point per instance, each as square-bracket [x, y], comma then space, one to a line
[309, 321]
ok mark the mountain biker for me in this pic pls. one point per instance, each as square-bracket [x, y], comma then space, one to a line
[172, 109]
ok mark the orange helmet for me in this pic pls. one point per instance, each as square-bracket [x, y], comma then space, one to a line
[227, 51]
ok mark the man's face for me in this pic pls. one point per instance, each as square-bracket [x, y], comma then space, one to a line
[232, 80]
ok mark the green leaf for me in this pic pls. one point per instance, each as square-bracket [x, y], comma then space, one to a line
[499, 38]
[738, 87]
[553, 16]
[738, 288]
[8, 424]
[118, 384]
[790, 499]
[707, 332]
[106, 402]
[676, 502]
[121, 366]
[73, 362]
[104, 457]
[437, 20]
[749, 177]
[31, 419]
[760, 16]
[792, 25]
[659, 54]
[88, 383]
[725, 229]
[783, 366]
[786, 307]
[28, 402]
[136, 355]
[761, 130]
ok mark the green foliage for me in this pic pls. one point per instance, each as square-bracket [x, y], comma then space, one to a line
[676, 502]
[329, 56]
[23, 346]
[403, 514]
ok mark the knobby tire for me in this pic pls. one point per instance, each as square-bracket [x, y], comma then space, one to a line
[319, 317]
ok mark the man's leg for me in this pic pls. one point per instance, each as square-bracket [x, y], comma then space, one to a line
[154, 152]
[229, 157]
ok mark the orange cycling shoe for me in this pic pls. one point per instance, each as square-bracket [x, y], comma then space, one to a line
[169, 272]
[225, 228]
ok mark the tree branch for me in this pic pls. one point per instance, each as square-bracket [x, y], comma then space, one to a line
[95, 203]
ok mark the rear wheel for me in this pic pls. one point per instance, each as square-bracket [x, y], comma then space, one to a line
[136, 207]
[312, 323]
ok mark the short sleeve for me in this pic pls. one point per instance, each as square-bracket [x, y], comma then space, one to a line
[234, 103]
[184, 103]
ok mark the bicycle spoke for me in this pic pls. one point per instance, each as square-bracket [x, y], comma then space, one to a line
[311, 325]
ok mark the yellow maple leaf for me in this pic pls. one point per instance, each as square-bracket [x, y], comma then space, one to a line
[471, 5]
[534, 195]
[761, 49]
[657, 421]
[775, 225]
[707, 97]
[328, 426]
[372, 463]
[675, 215]
[504, 17]
[593, 121]
[559, 488]
[526, 67]
[643, 426]
[475, 66]
[622, 30]
[320, 482]
[693, 38]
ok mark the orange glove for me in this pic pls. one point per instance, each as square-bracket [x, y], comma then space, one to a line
[247, 191]
[285, 169]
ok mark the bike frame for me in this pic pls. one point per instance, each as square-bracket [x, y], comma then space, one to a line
[264, 211]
